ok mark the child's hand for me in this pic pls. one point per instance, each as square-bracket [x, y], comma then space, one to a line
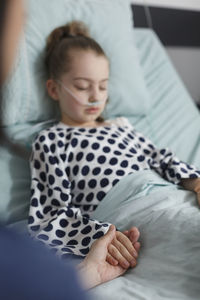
[192, 185]
[121, 250]
[133, 234]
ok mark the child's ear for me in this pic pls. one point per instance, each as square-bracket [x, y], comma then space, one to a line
[52, 89]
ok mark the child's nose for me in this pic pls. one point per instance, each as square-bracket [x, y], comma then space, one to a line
[94, 96]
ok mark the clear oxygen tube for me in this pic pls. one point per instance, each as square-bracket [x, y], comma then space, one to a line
[81, 102]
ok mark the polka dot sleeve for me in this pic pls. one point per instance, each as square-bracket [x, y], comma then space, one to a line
[165, 162]
[52, 217]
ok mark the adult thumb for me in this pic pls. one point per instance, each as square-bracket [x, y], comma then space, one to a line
[110, 234]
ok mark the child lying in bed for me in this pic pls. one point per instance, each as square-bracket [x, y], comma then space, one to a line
[76, 161]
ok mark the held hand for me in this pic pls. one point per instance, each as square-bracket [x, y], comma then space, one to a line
[94, 268]
[133, 234]
[192, 185]
[124, 248]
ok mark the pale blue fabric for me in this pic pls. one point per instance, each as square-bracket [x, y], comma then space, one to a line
[168, 219]
[173, 120]
[15, 173]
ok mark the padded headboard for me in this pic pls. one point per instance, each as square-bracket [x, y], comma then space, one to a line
[175, 27]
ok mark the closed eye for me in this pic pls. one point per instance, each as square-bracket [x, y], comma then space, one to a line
[81, 89]
[84, 89]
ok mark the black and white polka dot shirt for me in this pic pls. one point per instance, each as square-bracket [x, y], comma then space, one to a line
[73, 168]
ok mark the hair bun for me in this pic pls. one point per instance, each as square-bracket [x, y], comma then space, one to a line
[76, 28]
[72, 29]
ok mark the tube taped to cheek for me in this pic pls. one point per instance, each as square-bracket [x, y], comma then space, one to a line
[81, 102]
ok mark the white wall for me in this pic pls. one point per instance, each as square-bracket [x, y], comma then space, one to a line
[181, 4]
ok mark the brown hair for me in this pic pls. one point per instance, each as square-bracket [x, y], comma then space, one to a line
[61, 43]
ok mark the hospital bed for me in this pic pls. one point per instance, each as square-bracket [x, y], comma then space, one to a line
[167, 216]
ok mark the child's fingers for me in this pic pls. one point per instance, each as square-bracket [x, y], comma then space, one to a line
[126, 233]
[111, 260]
[125, 241]
[124, 253]
[123, 262]
[134, 234]
[137, 246]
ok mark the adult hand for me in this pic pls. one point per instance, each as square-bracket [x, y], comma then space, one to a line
[95, 269]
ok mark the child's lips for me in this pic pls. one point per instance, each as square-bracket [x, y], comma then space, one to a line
[92, 109]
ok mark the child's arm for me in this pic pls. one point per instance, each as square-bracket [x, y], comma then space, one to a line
[52, 217]
[165, 162]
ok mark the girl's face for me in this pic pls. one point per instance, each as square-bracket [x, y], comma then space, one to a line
[88, 80]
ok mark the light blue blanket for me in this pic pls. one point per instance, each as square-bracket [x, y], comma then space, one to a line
[168, 218]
